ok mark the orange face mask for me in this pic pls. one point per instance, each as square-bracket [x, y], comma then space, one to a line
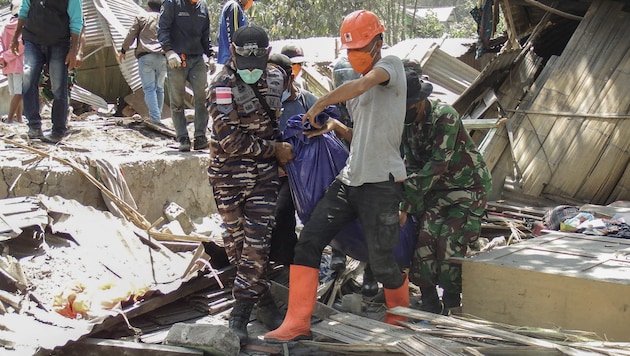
[248, 4]
[361, 61]
[296, 68]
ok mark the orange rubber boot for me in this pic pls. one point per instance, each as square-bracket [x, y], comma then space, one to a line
[398, 297]
[303, 282]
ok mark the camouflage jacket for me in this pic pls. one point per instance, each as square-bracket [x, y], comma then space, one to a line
[243, 132]
[440, 156]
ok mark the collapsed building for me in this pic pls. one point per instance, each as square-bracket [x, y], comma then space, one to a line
[121, 221]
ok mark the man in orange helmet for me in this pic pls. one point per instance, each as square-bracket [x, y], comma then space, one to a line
[368, 187]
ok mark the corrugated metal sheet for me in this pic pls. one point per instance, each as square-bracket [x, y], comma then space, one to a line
[499, 65]
[95, 33]
[115, 17]
[102, 249]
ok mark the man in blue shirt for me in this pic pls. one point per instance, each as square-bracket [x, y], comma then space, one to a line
[51, 32]
[232, 17]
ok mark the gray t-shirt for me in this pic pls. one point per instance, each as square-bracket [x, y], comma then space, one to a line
[378, 117]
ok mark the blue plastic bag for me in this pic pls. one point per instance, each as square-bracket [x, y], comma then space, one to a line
[318, 160]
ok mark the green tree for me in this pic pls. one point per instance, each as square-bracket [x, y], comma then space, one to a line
[313, 18]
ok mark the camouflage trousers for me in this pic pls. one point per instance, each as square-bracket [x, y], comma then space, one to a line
[248, 216]
[450, 223]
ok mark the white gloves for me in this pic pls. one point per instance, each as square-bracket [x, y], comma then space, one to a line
[174, 61]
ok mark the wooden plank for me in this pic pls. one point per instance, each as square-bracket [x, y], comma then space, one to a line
[589, 68]
[419, 345]
[475, 124]
[622, 189]
[512, 351]
[359, 332]
[352, 349]
[564, 281]
[611, 78]
[496, 144]
[463, 324]
[498, 206]
[370, 325]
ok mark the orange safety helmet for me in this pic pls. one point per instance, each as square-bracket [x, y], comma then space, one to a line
[359, 28]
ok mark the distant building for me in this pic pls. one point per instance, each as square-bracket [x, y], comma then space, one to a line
[445, 15]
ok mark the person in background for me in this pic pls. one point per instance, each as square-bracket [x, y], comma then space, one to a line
[295, 101]
[232, 18]
[51, 33]
[245, 152]
[367, 188]
[184, 34]
[296, 54]
[446, 189]
[13, 64]
[151, 59]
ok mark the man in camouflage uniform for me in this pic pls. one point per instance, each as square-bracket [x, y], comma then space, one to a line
[245, 102]
[446, 189]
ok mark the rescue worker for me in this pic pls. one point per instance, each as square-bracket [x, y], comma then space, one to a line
[232, 17]
[446, 189]
[368, 187]
[184, 34]
[245, 102]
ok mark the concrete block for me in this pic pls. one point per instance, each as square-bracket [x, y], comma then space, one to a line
[212, 339]
[174, 212]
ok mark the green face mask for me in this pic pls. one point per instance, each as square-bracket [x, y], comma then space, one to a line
[250, 76]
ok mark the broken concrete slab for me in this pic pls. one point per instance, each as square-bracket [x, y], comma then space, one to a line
[156, 174]
[212, 339]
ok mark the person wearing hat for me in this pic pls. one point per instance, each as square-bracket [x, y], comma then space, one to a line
[12, 64]
[245, 152]
[184, 34]
[446, 189]
[51, 35]
[232, 18]
[151, 59]
[367, 188]
[296, 54]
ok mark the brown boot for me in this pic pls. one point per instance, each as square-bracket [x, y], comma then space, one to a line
[398, 297]
[303, 282]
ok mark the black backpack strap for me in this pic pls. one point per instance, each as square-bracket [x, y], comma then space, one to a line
[263, 101]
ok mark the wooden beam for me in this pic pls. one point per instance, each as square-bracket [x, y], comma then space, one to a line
[573, 114]
[463, 324]
[475, 124]
[554, 11]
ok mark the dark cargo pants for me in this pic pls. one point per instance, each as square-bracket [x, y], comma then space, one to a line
[376, 206]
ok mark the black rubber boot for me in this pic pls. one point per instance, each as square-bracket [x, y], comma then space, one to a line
[267, 312]
[370, 286]
[338, 261]
[451, 300]
[239, 317]
[430, 301]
